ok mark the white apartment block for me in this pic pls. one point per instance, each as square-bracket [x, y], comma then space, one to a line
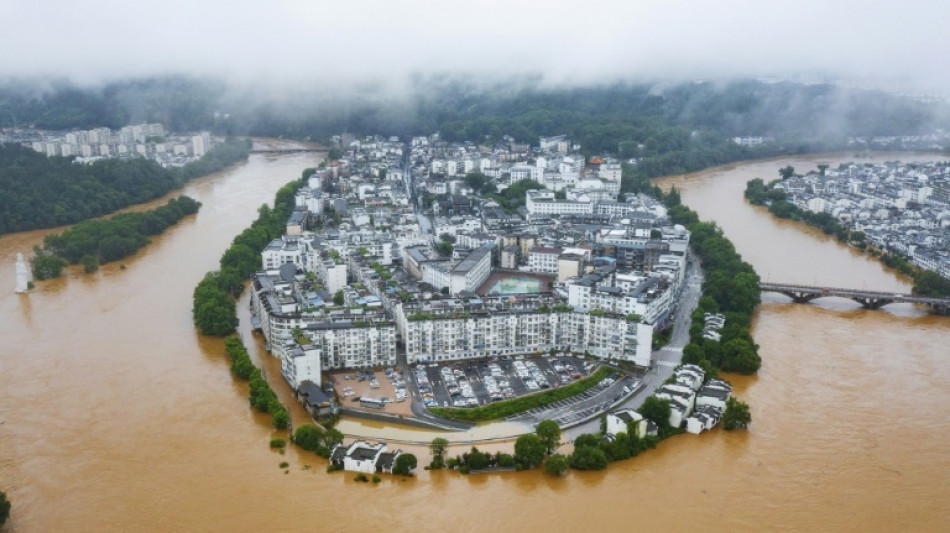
[465, 275]
[476, 333]
[542, 202]
[353, 346]
[299, 363]
[358, 340]
[333, 274]
[649, 298]
[287, 249]
[543, 259]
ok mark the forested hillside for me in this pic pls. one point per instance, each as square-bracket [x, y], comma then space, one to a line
[600, 117]
[40, 192]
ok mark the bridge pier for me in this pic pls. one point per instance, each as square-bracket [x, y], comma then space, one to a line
[872, 303]
[940, 309]
[801, 297]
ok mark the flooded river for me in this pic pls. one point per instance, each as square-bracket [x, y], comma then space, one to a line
[116, 415]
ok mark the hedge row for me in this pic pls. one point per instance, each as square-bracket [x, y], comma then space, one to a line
[513, 406]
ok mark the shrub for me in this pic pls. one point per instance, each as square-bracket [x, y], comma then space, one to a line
[284, 464]
[588, 458]
[505, 460]
[361, 477]
[308, 437]
[376, 479]
[556, 465]
[278, 443]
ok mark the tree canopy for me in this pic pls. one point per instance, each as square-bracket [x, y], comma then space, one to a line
[40, 192]
[529, 450]
[550, 435]
[737, 415]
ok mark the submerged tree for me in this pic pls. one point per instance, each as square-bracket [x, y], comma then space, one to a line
[737, 415]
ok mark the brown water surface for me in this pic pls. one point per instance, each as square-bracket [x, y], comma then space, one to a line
[116, 415]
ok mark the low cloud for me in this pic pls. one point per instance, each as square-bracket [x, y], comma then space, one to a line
[330, 45]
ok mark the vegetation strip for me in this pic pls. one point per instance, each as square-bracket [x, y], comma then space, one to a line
[505, 408]
[92, 242]
[731, 287]
[214, 309]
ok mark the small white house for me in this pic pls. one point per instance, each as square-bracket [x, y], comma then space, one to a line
[682, 400]
[359, 456]
[690, 376]
[705, 417]
[617, 422]
[714, 393]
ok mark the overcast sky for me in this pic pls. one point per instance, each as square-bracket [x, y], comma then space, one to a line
[579, 42]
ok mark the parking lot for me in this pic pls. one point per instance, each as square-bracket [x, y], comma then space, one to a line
[479, 382]
[584, 405]
[387, 386]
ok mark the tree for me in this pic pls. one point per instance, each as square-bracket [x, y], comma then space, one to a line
[476, 460]
[90, 263]
[529, 450]
[550, 435]
[929, 283]
[444, 248]
[281, 418]
[739, 355]
[405, 464]
[692, 353]
[338, 297]
[47, 266]
[787, 172]
[437, 448]
[216, 317]
[657, 410]
[332, 437]
[822, 168]
[737, 415]
[588, 458]
[556, 465]
[4, 508]
[308, 437]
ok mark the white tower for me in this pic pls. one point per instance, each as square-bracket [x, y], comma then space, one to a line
[22, 274]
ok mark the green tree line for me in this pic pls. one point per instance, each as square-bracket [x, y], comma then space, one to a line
[92, 242]
[37, 191]
[261, 396]
[731, 287]
[213, 309]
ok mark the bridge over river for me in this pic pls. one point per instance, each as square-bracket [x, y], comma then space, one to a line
[868, 299]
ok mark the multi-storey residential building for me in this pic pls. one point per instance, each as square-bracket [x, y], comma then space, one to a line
[544, 259]
[650, 297]
[344, 338]
[332, 270]
[299, 363]
[542, 202]
[287, 249]
[465, 275]
[491, 326]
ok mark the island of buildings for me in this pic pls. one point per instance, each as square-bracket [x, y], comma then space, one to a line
[405, 253]
[904, 208]
[360, 274]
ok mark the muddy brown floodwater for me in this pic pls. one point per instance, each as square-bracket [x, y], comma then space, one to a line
[115, 415]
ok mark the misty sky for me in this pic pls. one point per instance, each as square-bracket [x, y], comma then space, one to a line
[292, 41]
